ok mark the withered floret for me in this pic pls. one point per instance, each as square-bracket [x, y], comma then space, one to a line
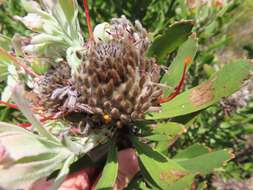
[115, 81]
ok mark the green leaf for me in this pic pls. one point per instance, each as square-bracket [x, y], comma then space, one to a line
[5, 42]
[170, 129]
[69, 7]
[5, 56]
[165, 134]
[110, 171]
[191, 152]
[174, 73]
[156, 168]
[248, 129]
[28, 157]
[206, 163]
[222, 84]
[184, 183]
[170, 40]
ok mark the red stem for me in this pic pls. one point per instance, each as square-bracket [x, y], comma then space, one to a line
[187, 60]
[24, 125]
[22, 65]
[88, 19]
[14, 106]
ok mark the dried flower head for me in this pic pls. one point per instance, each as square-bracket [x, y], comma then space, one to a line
[115, 83]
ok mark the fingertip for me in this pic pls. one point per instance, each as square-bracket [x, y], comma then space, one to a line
[76, 181]
[128, 161]
[41, 184]
[128, 168]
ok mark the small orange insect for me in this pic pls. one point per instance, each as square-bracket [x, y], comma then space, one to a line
[107, 118]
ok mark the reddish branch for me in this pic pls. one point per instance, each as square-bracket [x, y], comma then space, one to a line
[88, 19]
[187, 60]
[25, 125]
[20, 64]
[14, 106]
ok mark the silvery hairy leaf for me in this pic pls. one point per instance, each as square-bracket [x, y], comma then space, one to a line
[28, 156]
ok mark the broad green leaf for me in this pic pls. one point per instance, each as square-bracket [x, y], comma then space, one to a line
[69, 8]
[5, 56]
[184, 183]
[28, 157]
[156, 167]
[110, 171]
[222, 84]
[157, 137]
[164, 134]
[170, 129]
[206, 163]
[170, 40]
[191, 152]
[5, 42]
[174, 73]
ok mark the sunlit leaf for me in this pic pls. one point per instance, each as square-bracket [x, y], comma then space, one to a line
[206, 163]
[156, 167]
[110, 171]
[221, 84]
[69, 8]
[170, 40]
[184, 183]
[5, 56]
[5, 42]
[164, 134]
[28, 157]
[175, 70]
[191, 152]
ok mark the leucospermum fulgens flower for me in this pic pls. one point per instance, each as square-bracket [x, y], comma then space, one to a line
[110, 89]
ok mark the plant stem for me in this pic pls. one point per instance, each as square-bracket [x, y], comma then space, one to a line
[88, 19]
[187, 60]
